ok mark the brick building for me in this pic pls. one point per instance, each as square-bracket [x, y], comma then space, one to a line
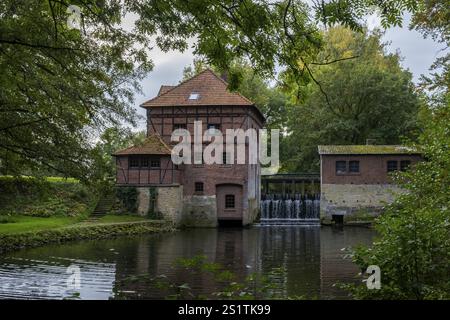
[356, 178]
[193, 194]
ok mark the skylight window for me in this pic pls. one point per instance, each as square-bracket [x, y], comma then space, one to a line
[194, 96]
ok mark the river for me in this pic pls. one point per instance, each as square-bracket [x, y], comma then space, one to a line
[298, 261]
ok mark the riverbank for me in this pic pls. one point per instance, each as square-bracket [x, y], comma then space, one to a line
[81, 231]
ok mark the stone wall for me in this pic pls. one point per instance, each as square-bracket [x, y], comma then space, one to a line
[199, 211]
[170, 202]
[349, 199]
[252, 211]
[143, 200]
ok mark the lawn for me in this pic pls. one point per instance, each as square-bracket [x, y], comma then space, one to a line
[19, 224]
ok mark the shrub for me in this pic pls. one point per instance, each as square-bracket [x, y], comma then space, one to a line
[42, 198]
[128, 198]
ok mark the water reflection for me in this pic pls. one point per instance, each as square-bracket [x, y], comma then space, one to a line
[310, 257]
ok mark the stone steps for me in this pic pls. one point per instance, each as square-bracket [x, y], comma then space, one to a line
[103, 206]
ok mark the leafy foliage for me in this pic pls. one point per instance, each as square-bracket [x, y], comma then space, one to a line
[365, 96]
[128, 197]
[41, 198]
[112, 140]
[413, 251]
[61, 87]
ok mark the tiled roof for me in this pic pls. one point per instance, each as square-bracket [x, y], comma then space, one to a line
[366, 149]
[211, 89]
[152, 145]
[164, 89]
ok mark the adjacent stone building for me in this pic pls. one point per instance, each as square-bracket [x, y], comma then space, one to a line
[198, 195]
[356, 178]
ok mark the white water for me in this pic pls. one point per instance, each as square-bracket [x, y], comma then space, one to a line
[290, 211]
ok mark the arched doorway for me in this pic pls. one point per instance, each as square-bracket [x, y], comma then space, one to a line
[229, 202]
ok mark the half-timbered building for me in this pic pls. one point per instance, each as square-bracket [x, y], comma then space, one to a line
[193, 194]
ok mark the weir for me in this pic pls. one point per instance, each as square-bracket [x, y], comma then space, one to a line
[290, 199]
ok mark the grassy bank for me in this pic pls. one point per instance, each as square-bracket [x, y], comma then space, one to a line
[80, 231]
[35, 212]
[20, 224]
[45, 197]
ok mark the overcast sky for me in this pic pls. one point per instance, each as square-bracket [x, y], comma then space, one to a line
[418, 54]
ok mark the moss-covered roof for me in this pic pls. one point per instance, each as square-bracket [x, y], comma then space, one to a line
[366, 149]
[152, 145]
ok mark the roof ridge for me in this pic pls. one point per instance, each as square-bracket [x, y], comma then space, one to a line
[160, 140]
[164, 85]
[176, 86]
[148, 140]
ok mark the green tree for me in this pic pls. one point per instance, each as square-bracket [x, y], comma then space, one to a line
[112, 140]
[413, 249]
[365, 95]
[60, 87]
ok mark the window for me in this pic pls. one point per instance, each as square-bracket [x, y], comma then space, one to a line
[199, 187]
[353, 166]
[392, 165]
[179, 126]
[144, 162]
[194, 96]
[155, 163]
[341, 167]
[134, 162]
[404, 165]
[229, 201]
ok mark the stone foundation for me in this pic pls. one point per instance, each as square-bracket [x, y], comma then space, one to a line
[199, 211]
[189, 211]
[169, 202]
[143, 200]
[352, 199]
[252, 212]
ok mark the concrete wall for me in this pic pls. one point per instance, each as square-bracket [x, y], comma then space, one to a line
[349, 199]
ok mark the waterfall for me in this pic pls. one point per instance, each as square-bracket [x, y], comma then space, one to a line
[294, 209]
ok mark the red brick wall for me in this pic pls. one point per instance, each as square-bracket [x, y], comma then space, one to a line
[372, 168]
